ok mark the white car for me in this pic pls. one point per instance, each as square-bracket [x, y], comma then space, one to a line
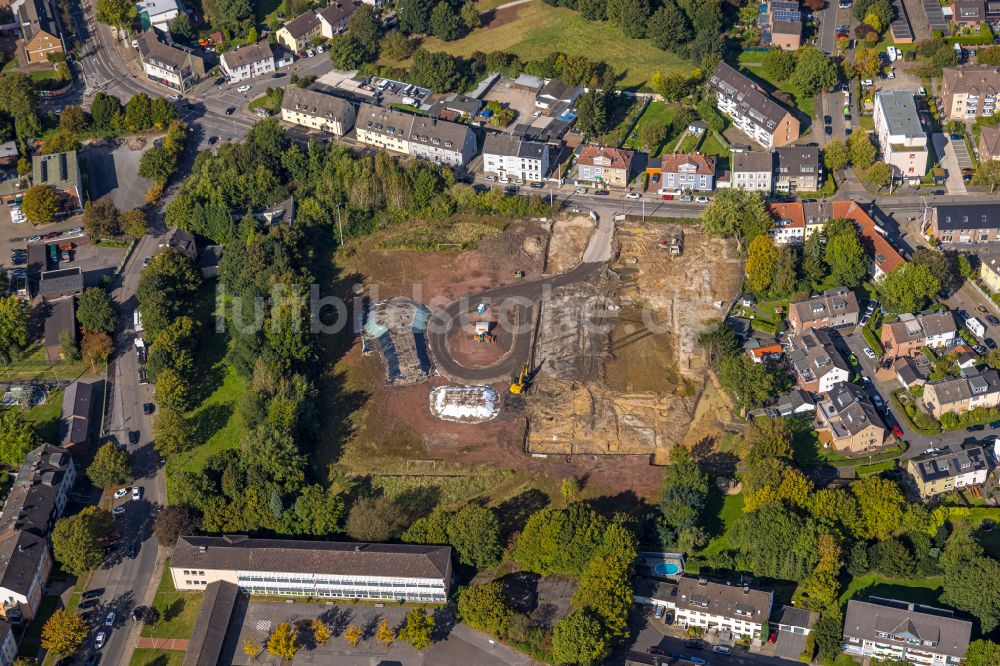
[504, 180]
[99, 641]
[174, 97]
[869, 353]
[75, 230]
[633, 195]
[310, 53]
[34, 239]
[319, 49]
[122, 492]
[702, 199]
[891, 74]
[490, 179]
[137, 493]
[110, 619]
[581, 190]
[867, 83]
[243, 89]
[520, 182]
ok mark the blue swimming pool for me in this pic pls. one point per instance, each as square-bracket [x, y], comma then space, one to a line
[666, 568]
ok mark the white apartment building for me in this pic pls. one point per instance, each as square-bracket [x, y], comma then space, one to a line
[890, 630]
[439, 141]
[752, 171]
[714, 605]
[510, 156]
[169, 65]
[943, 471]
[247, 62]
[321, 569]
[752, 110]
[901, 137]
[315, 110]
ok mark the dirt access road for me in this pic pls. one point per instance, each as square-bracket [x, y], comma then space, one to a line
[524, 296]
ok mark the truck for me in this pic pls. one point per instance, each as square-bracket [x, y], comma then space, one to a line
[975, 327]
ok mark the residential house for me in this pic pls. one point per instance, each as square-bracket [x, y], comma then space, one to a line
[282, 212]
[965, 223]
[910, 333]
[334, 17]
[724, 606]
[60, 322]
[180, 240]
[943, 471]
[316, 569]
[851, 420]
[440, 141]
[763, 351]
[208, 262]
[817, 364]
[971, 389]
[752, 110]
[792, 403]
[604, 165]
[39, 27]
[907, 373]
[157, 13]
[61, 171]
[60, 283]
[901, 135]
[834, 308]
[969, 91]
[316, 110]
[780, 24]
[798, 169]
[247, 62]
[989, 142]
[752, 171]
[883, 256]
[171, 65]
[968, 13]
[513, 157]
[77, 409]
[687, 172]
[789, 223]
[794, 625]
[892, 630]
[298, 33]
[556, 93]
[36, 500]
[455, 107]
[989, 271]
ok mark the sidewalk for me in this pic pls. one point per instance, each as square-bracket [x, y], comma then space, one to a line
[162, 644]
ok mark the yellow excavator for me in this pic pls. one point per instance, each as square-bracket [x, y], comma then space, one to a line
[521, 382]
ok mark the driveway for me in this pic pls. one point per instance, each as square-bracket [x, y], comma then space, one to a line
[946, 155]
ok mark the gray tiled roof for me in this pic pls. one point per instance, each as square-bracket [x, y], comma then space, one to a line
[302, 24]
[951, 463]
[168, 56]
[77, 404]
[330, 557]
[967, 216]
[63, 281]
[794, 616]
[906, 624]
[209, 633]
[62, 317]
[412, 128]
[832, 302]
[512, 146]
[247, 55]
[849, 411]
[798, 160]
[732, 83]
[316, 104]
[727, 600]
[752, 162]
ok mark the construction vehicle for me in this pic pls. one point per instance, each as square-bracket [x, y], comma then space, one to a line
[484, 337]
[521, 383]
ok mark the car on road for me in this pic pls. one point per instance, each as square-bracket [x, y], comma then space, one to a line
[979, 349]
[243, 89]
[702, 199]
[686, 197]
[520, 182]
[504, 180]
[869, 353]
[864, 319]
[137, 493]
[146, 261]
[975, 428]
[601, 193]
[667, 197]
[981, 309]
[897, 431]
[175, 97]
[877, 399]
[694, 645]
[231, 110]
[581, 190]
[722, 649]
[118, 511]
[148, 408]
[828, 130]
[122, 492]
[633, 195]
[75, 230]
[845, 4]
[891, 74]
[109, 620]
[133, 437]
[993, 321]
[827, 120]
[537, 184]
[34, 239]
[995, 425]
[990, 343]
[310, 53]
[99, 641]
[92, 594]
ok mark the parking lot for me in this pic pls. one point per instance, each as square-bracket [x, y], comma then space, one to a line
[522, 101]
[113, 170]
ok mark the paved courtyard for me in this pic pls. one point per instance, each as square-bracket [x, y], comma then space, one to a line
[455, 645]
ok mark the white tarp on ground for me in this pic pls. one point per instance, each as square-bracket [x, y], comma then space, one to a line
[465, 404]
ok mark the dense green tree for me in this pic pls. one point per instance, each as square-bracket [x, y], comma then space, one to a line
[17, 437]
[236, 16]
[908, 288]
[397, 46]
[175, 521]
[750, 384]
[762, 256]
[891, 557]
[64, 632]
[474, 532]
[116, 13]
[432, 528]
[579, 638]
[166, 288]
[485, 607]
[593, 10]
[943, 266]
[111, 466]
[103, 110]
[880, 506]
[77, 540]
[469, 15]
[96, 311]
[719, 342]
[685, 491]
[836, 155]
[100, 218]
[814, 71]
[559, 540]
[277, 455]
[605, 584]
[774, 541]
[41, 204]
[139, 112]
[779, 64]
[418, 629]
[374, 519]
[828, 634]
[14, 318]
[630, 16]
[593, 113]
[739, 214]
[987, 174]
[318, 511]
[846, 258]
[785, 277]
[444, 22]
[438, 71]
[983, 652]
[861, 150]
[172, 433]
[134, 223]
[975, 588]
[878, 174]
[181, 27]
[415, 16]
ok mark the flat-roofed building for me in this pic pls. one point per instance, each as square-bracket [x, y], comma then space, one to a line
[893, 630]
[61, 171]
[318, 569]
[316, 110]
[901, 136]
[939, 472]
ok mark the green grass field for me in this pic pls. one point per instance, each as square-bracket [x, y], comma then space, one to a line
[539, 29]
[178, 610]
[807, 105]
[33, 365]
[148, 657]
[45, 417]
[920, 590]
[656, 112]
[732, 509]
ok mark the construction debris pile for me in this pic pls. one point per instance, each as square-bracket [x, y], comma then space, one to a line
[398, 327]
[465, 404]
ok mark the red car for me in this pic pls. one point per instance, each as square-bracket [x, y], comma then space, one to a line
[897, 431]
[773, 638]
[667, 197]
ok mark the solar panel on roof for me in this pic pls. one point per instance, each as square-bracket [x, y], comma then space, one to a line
[787, 15]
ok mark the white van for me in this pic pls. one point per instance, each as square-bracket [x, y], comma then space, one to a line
[137, 321]
[975, 327]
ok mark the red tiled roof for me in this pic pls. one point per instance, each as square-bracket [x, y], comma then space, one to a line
[619, 157]
[761, 352]
[789, 211]
[886, 257]
[672, 162]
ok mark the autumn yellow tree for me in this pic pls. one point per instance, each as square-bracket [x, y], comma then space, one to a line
[321, 631]
[284, 642]
[353, 635]
[252, 648]
[64, 632]
[385, 634]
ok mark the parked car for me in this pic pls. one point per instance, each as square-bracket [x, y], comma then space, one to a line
[667, 197]
[212, 140]
[84, 605]
[92, 594]
[319, 49]
[773, 638]
[148, 408]
[869, 353]
[702, 199]
[34, 239]
[975, 428]
[659, 611]
[993, 321]
[686, 197]
[990, 343]
[137, 493]
[133, 438]
[581, 190]
[633, 195]
[99, 641]
[109, 620]
[601, 193]
[897, 431]
[490, 179]
[118, 511]
[244, 88]
[722, 649]
[958, 137]
[122, 492]
[537, 184]
[146, 261]
[504, 180]
[694, 645]
[310, 53]
[75, 230]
